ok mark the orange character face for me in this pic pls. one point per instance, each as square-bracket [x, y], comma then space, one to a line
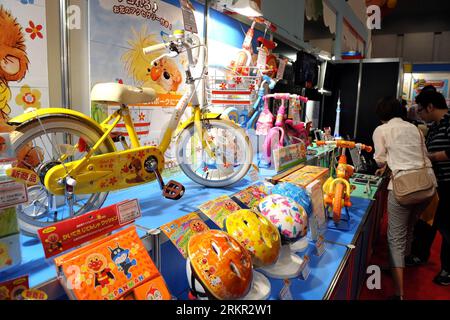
[53, 238]
[154, 294]
[198, 226]
[165, 72]
[96, 262]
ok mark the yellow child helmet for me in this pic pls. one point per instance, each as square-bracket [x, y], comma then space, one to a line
[257, 234]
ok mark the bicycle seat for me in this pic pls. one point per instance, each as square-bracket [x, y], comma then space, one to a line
[270, 45]
[121, 93]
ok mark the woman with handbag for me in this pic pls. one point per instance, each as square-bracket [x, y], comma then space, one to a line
[401, 146]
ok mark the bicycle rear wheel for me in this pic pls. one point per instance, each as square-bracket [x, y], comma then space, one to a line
[232, 148]
[39, 146]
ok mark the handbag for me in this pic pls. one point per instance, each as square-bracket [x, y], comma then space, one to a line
[415, 187]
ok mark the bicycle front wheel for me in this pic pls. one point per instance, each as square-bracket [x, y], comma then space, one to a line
[228, 162]
[40, 146]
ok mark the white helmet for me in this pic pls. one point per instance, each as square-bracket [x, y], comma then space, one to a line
[289, 217]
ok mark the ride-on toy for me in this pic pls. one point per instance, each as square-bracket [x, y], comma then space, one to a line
[337, 188]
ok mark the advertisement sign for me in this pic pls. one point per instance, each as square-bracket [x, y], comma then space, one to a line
[119, 31]
[25, 44]
[73, 232]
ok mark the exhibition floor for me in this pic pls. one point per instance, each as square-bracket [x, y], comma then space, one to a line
[418, 280]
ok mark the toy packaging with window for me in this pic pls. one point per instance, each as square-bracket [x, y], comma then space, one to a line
[181, 230]
[107, 269]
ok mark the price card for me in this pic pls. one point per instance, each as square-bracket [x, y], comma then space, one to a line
[254, 173]
[294, 111]
[262, 59]
[285, 293]
[320, 246]
[305, 269]
[128, 211]
[12, 193]
[187, 10]
[281, 68]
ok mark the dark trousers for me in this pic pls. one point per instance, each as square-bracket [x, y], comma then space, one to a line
[424, 234]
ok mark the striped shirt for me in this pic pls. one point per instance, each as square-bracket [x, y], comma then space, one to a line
[439, 140]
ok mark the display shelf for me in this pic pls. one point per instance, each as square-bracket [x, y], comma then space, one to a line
[156, 211]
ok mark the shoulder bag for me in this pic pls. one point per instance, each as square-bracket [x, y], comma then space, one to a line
[415, 187]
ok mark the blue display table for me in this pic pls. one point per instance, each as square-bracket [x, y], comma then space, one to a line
[327, 271]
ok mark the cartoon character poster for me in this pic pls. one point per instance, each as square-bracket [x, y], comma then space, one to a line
[181, 230]
[23, 57]
[219, 209]
[119, 30]
[441, 86]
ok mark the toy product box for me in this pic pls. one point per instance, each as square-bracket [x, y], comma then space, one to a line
[10, 253]
[319, 220]
[107, 269]
[252, 195]
[12, 289]
[219, 209]
[289, 156]
[8, 222]
[306, 175]
[181, 230]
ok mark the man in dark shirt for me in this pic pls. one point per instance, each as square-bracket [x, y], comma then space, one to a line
[432, 107]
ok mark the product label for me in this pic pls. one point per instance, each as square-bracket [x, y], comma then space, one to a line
[285, 293]
[73, 232]
[281, 68]
[12, 194]
[305, 269]
[320, 246]
[262, 59]
[188, 16]
[128, 211]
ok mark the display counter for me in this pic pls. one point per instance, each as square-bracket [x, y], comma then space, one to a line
[337, 274]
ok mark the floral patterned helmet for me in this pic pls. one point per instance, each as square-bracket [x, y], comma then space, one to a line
[218, 266]
[296, 193]
[257, 234]
[289, 217]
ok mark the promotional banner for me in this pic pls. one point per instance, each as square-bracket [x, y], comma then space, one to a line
[73, 232]
[23, 57]
[119, 30]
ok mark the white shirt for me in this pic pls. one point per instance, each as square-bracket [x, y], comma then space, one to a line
[399, 144]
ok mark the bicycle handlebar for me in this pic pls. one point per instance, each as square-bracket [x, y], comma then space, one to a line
[345, 144]
[271, 82]
[156, 47]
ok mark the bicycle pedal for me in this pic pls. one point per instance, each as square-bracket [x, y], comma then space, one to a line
[173, 190]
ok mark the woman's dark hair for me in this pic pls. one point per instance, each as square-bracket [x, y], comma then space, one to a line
[433, 97]
[429, 88]
[389, 108]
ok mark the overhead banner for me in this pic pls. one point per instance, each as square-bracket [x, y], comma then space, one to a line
[119, 30]
[23, 57]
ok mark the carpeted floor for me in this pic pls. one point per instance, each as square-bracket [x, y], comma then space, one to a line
[418, 280]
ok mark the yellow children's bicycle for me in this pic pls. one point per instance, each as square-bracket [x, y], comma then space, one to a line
[70, 162]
